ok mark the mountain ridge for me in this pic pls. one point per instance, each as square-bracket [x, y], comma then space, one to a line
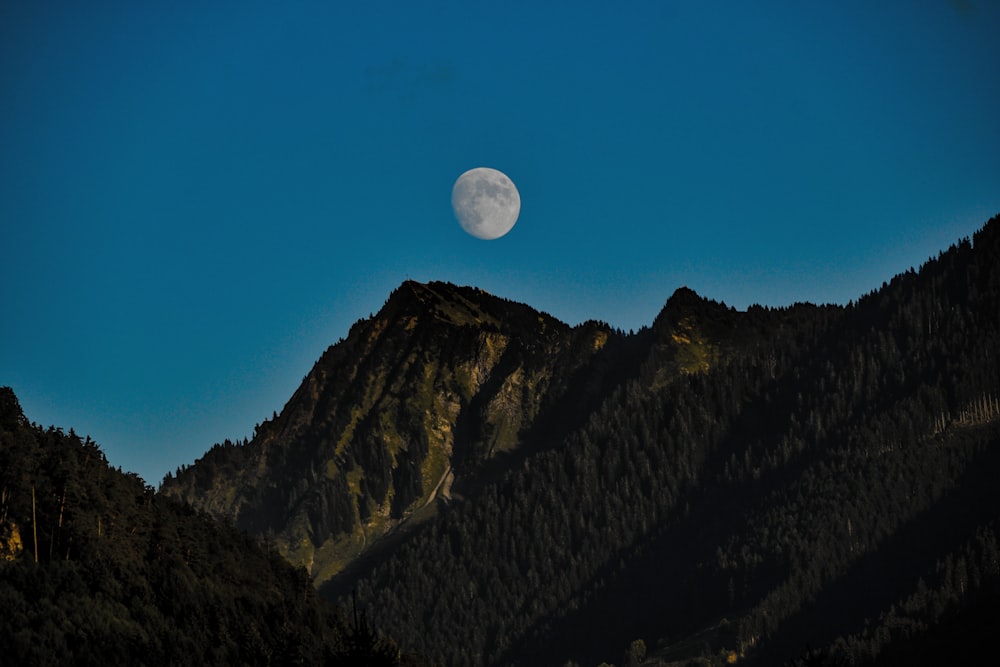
[590, 467]
[374, 458]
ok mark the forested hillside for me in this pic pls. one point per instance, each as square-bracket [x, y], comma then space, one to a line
[810, 484]
[96, 569]
[772, 480]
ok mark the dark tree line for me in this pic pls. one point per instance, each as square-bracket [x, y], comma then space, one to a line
[96, 569]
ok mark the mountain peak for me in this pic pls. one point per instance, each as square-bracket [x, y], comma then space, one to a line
[458, 305]
[441, 301]
[693, 334]
[420, 396]
[684, 296]
[687, 305]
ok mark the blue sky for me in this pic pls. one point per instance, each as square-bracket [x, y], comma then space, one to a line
[196, 199]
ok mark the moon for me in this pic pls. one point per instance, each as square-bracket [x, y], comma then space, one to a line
[486, 203]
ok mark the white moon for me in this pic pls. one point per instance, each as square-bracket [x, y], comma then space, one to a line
[486, 202]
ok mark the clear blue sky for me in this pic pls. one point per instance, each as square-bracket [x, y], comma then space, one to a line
[195, 201]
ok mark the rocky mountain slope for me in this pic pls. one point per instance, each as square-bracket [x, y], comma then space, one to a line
[407, 409]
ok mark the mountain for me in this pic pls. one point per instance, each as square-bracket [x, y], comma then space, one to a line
[408, 409]
[726, 486]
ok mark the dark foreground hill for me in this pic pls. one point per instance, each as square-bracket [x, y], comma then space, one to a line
[806, 483]
[96, 569]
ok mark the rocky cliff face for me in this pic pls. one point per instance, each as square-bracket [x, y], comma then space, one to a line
[440, 381]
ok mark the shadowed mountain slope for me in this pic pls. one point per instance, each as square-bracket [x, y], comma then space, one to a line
[770, 480]
[724, 486]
